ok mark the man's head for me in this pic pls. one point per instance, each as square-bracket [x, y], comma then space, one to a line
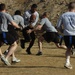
[71, 6]
[33, 8]
[32, 18]
[2, 6]
[17, 12]
[45, 14]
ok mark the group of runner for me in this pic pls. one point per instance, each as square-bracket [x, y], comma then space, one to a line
[28, 24]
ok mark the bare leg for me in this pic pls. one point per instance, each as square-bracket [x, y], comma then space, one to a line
[40, 40]
[13, 55]
[40, 44]
[67, 62]
[14, 59]
[68, 54]
[1, 52]
[12, 49]
[3, 59]
[60, 46]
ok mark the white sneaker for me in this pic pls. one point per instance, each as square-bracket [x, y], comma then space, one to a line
[6, 62]
[68, 66]
[15, 60]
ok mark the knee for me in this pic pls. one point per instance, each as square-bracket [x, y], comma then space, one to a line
[15, 44]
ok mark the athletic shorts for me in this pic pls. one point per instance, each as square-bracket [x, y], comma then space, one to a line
[1, 40]
[69, 41]
[51, 37]
[12, 31]
[8, 37]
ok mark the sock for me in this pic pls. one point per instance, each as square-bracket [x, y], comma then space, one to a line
[6, 50]
[68, 60]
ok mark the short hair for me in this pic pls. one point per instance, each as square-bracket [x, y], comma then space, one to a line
[34, 6]
[71, 5]
[45, 14]
[17, 12]
[32, 18]
[2, 6]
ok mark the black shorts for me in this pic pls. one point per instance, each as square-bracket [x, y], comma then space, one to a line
[27, 36]
[1, 40]
[12, 31]
[51, 37]
[69, 41]
[8, 38]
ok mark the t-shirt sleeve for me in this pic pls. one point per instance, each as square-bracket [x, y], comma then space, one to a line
[26, 19]
[42, 22]
[9, 18]
[59, 23]
[22, 22]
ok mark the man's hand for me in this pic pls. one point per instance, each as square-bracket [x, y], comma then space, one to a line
[29, 31]
[19, 29]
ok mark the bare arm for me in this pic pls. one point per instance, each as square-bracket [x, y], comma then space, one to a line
[38, 27]
[15, 25]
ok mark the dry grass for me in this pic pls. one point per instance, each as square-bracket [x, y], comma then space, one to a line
[50, 63]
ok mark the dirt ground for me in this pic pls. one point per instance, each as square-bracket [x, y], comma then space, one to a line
[50, 63]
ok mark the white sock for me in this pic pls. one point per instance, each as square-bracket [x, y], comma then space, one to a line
[68, 60]
[6, 50]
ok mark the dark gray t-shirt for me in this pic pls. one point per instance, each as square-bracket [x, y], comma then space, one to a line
[47, 26]
[5, 19]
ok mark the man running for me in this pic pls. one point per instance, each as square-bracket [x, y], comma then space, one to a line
[68, 21]
[12, 30]
[7, 37]
[29, 38]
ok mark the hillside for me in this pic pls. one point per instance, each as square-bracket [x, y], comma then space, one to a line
[54, 7]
